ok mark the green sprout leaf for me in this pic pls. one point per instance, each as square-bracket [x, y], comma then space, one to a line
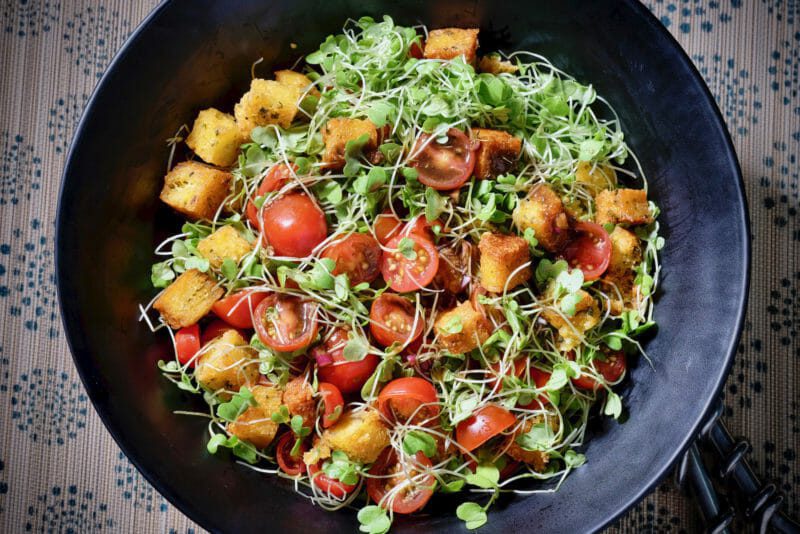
[417, 441]
[374, 520]
[473, 515]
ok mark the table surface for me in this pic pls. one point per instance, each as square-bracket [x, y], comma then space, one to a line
[59, 468]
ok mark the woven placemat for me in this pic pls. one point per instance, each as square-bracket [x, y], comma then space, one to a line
[60, 471]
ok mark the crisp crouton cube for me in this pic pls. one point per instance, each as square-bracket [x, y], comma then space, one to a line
[626, 254]
[449, 43]
[188, 299]
[543, 212]
[226, 242]
[596, 178]
[227, 363]
[195, 190]
[337, 132]
[267, 102]
[494, 64]
[571, 329]
[299, 398]
[255, 424]
[497, 153]
[502, 255]
[537, 459]
[462, 329]
[623, 206]
[215, 137]
[360, 435]
[297, 80]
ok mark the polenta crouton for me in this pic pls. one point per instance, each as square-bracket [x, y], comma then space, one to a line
[226, 242]
[462, 329]
[497, 153]
[537, 459]
[196, 190]
[449, 43]
[298, 80]
[502, 255]
[623, 206]
[255, 424]
[626, 254]
[267, 102]
[337, 132]
[360, 435]
[543, 212]
[571, 329]
[188, 299]
[227, 363]
[215, 137]
[299, 398]
[596, 178]
[494, 64]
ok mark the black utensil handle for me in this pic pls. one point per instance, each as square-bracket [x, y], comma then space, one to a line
[692, 475]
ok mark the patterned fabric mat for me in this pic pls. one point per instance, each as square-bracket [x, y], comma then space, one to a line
[52, 53]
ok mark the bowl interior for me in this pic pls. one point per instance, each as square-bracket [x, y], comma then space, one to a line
[189, 56]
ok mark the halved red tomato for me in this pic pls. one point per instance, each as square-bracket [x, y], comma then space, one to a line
[412, 268]
[277, 176]
[333, 403]
[402, 397]
[387, 475]
[444, 166]
[483, 425]
[291, 465]
[187, 344]
[294, 225]
[391, 319]
[589, 250]
[216, 328]
[333, 368]
[415, 50]
[330, 486]
[286, 323]
[358, 256]
[421, 226]
[611, 368]
[540, 378]
[386, 227]
[237, 309]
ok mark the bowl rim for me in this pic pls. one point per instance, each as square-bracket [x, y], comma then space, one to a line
[201, 516]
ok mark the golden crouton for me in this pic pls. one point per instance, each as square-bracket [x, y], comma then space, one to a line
[494, 64]
[195, 190]
[544, 213]
[299, 398]
[255, 424]
[188, 299]
[596, 178]
[449, 43]
[623, 206]
[502, 255]
[215, 137]
[497, 154]
[537, 459]
[360, 435]
[571, 329]
[267, 102]
[462, 329]
[337, 132]
[626, 254]
[226, 242]
[227, 363]
[298, 80]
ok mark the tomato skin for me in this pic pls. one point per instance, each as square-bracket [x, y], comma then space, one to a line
[332, 399]
[391, 318]
[483, 425]
[292, 325]
[540, 378]
[386, 227]
[336, 488]
[402, 396]
[444, 166]
[215, 328]
[187, 344]
[345, 375]
[404, 274]
[612, 369]
[237, 309]
[358, 256]
[415, 50]
[277, 176]
[402, 503]
[291, 465]
[294, 225]
[589, 250]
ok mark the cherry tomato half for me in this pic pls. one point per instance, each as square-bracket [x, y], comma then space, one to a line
[358, 256]
[386, 227]
[330, 486]
[237, 309]
[482, 426]
[346, 375]
[415, 50]
[540, 378]
[294, 225]
[412, 271]
[291, 465]
[589, 250]
[391, 319]
[216, 328]
[611, 369]
[386, 475]
[421, 226]
[402, 397]
[444, 166]
[286, 323]
[333, 403]
[277, 176]
[187, 344]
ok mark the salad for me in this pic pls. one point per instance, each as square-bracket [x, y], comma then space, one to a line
[407, 269]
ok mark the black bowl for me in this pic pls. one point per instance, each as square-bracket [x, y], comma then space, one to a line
[192, 54]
